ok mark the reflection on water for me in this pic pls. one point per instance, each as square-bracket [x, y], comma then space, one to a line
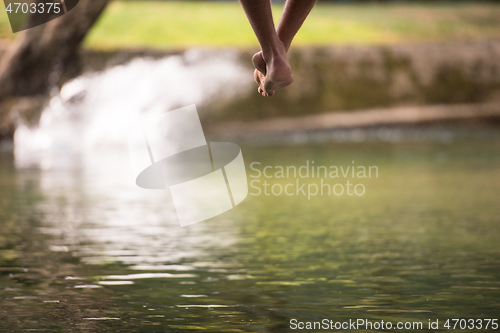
[80, 249]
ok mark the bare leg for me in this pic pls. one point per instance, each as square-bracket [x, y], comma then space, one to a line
[294, 15]
[276, 66]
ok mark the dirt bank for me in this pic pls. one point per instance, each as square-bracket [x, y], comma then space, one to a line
[341, 79]
[365, 77]
[357, 119]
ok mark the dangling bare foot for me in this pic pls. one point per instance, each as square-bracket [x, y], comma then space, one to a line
[273, 74]
[259, 74]
[272, 67]
[259, 62]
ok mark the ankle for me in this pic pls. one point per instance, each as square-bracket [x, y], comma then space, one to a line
[278, 69]
[276, 49]
[286, 41]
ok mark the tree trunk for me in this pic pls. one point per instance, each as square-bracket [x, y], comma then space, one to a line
[39, 58]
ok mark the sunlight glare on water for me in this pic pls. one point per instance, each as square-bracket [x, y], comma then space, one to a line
[97, 110]
[80, 146]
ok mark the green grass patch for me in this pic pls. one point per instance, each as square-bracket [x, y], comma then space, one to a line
[158, 24]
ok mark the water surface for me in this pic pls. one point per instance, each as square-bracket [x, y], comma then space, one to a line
[80, 248]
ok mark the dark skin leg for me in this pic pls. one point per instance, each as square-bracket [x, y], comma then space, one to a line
[277, 66]
[260, 17]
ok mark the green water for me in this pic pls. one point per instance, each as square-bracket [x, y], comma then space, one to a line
[421, 244]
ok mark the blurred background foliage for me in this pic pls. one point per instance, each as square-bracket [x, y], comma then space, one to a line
[182, 24]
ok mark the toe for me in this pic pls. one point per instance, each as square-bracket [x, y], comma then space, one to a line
[265, 93]
[256, 77]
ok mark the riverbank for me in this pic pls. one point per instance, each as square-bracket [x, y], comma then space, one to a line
[399, 116]
[333, 79]
[329, 80]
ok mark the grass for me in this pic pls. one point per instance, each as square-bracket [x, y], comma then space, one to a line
[157, 24]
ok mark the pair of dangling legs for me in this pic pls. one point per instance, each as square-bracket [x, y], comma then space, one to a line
[272, 68]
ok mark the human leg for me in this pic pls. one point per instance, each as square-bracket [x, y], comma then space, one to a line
[294, 15]
[276, 65]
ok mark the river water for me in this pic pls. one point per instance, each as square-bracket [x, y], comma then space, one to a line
[83, 248]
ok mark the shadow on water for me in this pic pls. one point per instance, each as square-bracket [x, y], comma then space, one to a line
[82, 248]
